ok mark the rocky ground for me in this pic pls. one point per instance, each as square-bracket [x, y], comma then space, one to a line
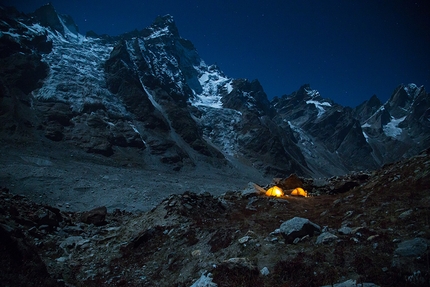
[72, 180]
[369, 228]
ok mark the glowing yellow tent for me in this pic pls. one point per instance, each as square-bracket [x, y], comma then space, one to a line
[300, 192]
[275, 191]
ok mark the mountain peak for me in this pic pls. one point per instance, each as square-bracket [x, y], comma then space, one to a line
[165, 22]
[48, 17]
[412, 90]
[375, 101]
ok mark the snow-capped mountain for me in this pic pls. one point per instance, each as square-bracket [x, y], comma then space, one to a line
[400, 127]
[149, 91]
[328, 135]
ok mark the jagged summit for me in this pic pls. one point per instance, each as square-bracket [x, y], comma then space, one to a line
[150, 93]
[165, 23]
[48, 17]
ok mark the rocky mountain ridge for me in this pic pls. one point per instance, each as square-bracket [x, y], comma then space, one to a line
[149, 91]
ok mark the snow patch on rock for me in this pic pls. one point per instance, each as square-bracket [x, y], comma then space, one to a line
[391, 129]
[320, 106]
[212, 82]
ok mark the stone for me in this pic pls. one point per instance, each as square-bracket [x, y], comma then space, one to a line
[405, 214]
[326, 237]
[71, 242]
[196, 252]
[253, 189]
[95, 216]
[238, 262]
[292, 182]
[204, 281]
[298, 227]
[372, 237]
[46, 217]
[264, 271]
[21, 265]
[62, 259]
[411, 248]
[345, 230]
[244, 239]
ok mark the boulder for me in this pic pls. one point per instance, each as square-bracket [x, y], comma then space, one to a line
[298, 227]
[20, 263]
[264, 271]
[253, 189]
[204, 281]
[45, 216]
[95, 216]
[237, 269]
[411, 248]
[326, 237]
[291, 182]
[345, 230]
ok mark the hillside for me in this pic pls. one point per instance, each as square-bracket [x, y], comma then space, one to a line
[371, 227]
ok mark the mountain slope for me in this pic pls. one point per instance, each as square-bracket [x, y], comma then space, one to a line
[400, 127]
[148, 93]
[328, 134]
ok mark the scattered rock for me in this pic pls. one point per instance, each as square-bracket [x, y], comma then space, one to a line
[298, 227]
[405, 214]
[195, 253]
[47, 217]
[204, 281]
[264, 271]
[253, 189]
[190, 234]
[411, 248]
[372, 237]
[290, 183]
[95, 216]
[238, 262]
[73, 242]
[20, 263]
[236, 271]
[326, 237]
[244, 239]
[345, 230]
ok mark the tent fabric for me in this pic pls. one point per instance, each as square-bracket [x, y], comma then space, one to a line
[275, 191]
[299, 192]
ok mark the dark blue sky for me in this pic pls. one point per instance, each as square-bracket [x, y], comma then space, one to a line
[347, 50]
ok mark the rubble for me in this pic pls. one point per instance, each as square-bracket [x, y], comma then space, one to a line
[235, 238]
[298, 227]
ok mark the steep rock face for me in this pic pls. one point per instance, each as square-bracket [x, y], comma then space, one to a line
[48, 17]
[401, 126]
[259, 139]
[204, 110]
[21, 71]
[148, 93]
[367, 108]
[161, 64]
[328, 134]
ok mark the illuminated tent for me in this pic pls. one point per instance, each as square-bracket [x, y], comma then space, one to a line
[275, 191]
[300, 192]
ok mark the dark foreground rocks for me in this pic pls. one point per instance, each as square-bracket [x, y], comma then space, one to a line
[376, 234]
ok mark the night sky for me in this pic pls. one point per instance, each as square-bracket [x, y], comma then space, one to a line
[347, 50]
